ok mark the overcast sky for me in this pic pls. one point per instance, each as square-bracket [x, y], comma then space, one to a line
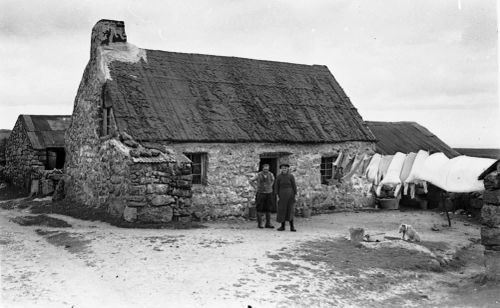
[432, 62]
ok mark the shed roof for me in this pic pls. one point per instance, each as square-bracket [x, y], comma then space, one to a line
[169, 96]
[407, 137]
[45, 131]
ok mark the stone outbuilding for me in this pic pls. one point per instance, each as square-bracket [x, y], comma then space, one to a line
[36, 143]
[159, 135]
[4, 136]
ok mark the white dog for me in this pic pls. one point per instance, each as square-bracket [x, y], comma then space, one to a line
[408, 230]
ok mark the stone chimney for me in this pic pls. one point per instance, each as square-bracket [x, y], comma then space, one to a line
[107, 32]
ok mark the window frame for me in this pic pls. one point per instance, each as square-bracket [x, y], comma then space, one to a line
[203, 165]
[325, 166]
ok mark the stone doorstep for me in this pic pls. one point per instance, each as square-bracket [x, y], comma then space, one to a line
[490, 236]
[490, 215]
[491, 197]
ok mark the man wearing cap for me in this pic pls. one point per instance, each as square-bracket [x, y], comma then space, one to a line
[285, 188]
[263, 184]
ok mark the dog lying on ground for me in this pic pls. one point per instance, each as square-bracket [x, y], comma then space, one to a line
[410, 231]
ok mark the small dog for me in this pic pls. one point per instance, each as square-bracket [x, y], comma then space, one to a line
[408, 230]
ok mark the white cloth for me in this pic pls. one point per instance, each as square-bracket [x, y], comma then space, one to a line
[434, 170]
[461, 173]
[394, 170]
[392, 177]
[372, 169]
[416, 171]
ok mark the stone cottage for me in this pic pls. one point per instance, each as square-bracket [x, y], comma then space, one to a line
[36, 143]
[159, 135]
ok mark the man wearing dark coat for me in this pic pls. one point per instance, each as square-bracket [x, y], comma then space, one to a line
[285, 188]
[263, 184]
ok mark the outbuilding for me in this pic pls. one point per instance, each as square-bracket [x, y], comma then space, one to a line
[36, 143]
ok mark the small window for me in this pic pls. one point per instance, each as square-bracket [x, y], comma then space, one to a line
[106, 121]
[199, 164]
[327, 169]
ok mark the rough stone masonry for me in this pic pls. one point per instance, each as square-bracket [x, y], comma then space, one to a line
[490, 231]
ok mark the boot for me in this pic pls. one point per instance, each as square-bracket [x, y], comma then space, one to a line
[282, 228]
[259, 220]
[268, 221]
[292, 227]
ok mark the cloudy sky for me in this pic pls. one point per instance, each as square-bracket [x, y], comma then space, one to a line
[433, 62]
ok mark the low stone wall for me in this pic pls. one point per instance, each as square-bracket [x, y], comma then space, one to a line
[231, 166]
[490, 231]
[21, 158]
[145, 190]
[159, 192]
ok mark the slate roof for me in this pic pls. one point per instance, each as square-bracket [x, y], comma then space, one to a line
[184, 97]
[407, 137]
[45, 131]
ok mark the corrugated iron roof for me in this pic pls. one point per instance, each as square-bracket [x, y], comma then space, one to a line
[45, 131]
[407, 137]
[192, 97]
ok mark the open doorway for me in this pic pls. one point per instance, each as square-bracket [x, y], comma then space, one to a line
[272, 162]
[55, 158]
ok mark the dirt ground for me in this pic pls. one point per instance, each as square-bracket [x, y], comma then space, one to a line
[79, 263]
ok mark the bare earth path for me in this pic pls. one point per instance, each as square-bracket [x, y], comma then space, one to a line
[234, 264]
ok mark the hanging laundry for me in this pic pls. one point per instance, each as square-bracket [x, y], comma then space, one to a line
[366, 161]
[345, 161]
[355, 166]
[372, 169]
[392, 176]
[349, 164]
[393, 172]
[434, 168]
[416, 170]
[384, 165]
[338, 160]
[405, 171]
[460, 174]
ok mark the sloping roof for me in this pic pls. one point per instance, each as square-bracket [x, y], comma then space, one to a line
[45, 131]
[192, 97]
[407, 137]
[478, 152]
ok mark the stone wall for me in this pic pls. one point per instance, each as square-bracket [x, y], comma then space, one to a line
[118, 185]
[490, 231]
[21, 158]
[231, 166]
[159, 192]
